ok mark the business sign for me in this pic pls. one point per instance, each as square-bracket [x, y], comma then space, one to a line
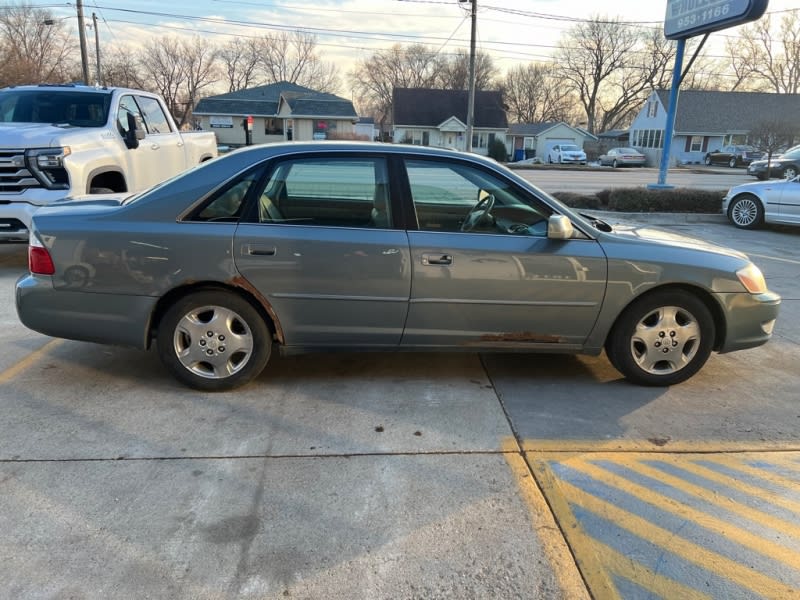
[688, 18]
[223, 122]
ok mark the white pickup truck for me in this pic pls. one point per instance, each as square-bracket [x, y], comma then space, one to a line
[60, 141]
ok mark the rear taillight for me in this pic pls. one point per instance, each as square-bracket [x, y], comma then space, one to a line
[39, 261]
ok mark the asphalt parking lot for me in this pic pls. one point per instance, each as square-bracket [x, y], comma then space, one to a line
[403, 475]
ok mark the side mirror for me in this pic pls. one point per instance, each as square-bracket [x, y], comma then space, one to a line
[559, 227]
[135, 132]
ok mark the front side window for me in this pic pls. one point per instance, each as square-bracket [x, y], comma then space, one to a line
[154, 117]
[453, 197]
[331, 192]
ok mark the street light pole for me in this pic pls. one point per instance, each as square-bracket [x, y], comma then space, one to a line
[96, 47]
[82, 37]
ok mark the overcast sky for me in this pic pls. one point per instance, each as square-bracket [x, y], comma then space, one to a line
[513, 31]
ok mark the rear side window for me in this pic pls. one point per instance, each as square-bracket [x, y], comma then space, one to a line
[331, 192]
[228, 204]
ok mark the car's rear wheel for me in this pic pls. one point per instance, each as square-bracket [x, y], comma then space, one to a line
[662, 339]
[746, 212]
[732, 163]
[789, 172]
[214, 340]
[615, 164]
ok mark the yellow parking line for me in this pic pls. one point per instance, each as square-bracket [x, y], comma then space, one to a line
[561, 560]
[722, 528]
[588, 562]
[736, 465]
[26, 362]
[656, 445]
[646, 578]
[729, 569]
[712, 497]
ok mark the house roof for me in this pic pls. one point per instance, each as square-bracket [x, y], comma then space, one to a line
[425, 107]
[531, 128]
[614, 133]
[265, 101]
[726, 112]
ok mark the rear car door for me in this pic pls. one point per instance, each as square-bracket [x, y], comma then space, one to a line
[494, 278]
[324, 250]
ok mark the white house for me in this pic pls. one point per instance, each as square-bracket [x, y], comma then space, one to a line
[529, 140]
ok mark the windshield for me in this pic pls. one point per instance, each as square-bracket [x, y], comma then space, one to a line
[570, 148]
[79, 109]
[793, 154]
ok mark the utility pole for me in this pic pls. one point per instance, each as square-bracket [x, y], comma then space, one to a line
[82, 37]
[471, 101]
[96, 47]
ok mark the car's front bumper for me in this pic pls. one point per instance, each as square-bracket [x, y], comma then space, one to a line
[750, 319]
[575, 160]
[117, 319]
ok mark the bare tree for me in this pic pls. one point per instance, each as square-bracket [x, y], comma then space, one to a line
[34, 46]
[239, 61]
[612, 67]
[121, 69]
[453, 72]
[178, 70]
[765, 62]
[771, 135]
[374, 78]
[293, 57]
[533, 94]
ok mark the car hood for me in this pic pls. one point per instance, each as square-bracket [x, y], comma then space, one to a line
[661, 237]
[756, 187]
[39, 135]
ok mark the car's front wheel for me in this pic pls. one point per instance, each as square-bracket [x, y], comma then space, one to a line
[708, 160]
[614, 164]
[662, 339]
[746, 212]
[732, 163]
[214, 340]
[790, 172]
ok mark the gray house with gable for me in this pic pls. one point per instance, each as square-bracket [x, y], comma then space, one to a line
[280, 111]
[706, 121]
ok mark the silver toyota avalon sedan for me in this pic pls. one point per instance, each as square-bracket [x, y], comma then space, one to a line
[312, 246]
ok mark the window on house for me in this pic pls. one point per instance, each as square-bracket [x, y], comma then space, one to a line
[528, 143]
[273, 127]
[652, 109]
[479, 140]
[696, 143]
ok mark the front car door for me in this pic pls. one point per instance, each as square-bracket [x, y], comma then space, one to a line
[488, 276]
[323, 248]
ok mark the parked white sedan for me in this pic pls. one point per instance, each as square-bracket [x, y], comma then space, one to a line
[566, 153]
[750, 205]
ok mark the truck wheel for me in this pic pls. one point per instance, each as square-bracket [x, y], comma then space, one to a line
[101, 190]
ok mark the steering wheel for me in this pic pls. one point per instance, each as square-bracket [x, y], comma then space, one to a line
[477, 212]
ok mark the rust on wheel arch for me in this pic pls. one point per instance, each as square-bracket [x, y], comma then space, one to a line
[242, 283]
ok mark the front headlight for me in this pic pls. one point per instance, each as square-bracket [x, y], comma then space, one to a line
[47, 165]
[752, 279]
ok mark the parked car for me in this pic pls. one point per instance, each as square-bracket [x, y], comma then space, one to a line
[566, 154]
[623, 157]
[311, 246]
[785, 166]
[752, 204]
[733, 156]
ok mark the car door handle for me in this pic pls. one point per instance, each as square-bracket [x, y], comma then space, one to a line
[254, 250]
[437, 259]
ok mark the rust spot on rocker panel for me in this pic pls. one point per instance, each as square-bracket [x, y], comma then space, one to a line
[521, 336]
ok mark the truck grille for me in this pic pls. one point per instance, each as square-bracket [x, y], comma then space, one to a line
[14, 176]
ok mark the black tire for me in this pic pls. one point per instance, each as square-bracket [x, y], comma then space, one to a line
[708, 160]
[732, 163]
[662, 339]
[746, 212]
[222, 325]
[614, 164]
[101, 190]
[789, 172]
